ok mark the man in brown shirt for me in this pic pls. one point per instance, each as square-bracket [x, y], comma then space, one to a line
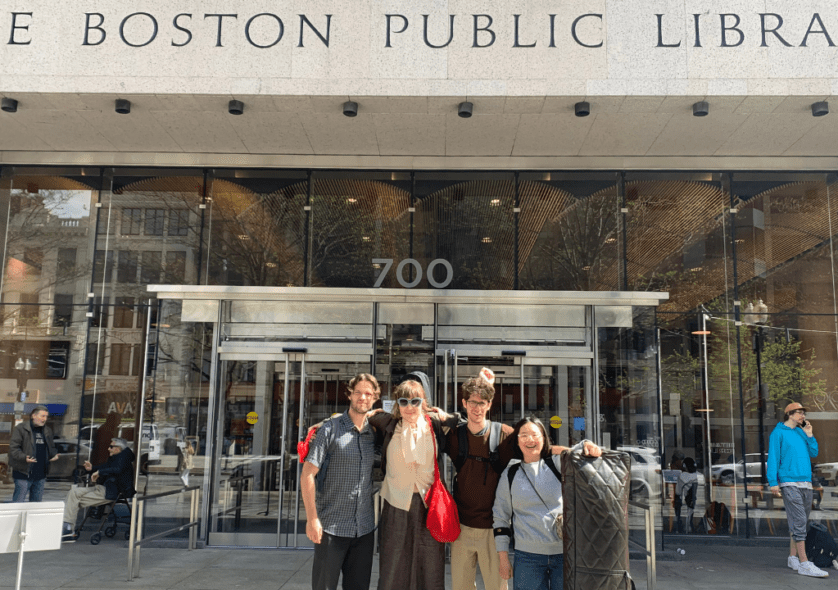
[475, 485]
[478, 473]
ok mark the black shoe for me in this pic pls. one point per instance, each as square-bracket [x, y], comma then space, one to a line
[69, 538]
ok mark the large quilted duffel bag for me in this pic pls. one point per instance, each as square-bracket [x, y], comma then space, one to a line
[595, 492]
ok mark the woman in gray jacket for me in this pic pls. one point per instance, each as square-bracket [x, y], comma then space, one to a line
[529, 504]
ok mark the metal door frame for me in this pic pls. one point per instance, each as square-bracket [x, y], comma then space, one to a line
[545, 358]
[277, 352]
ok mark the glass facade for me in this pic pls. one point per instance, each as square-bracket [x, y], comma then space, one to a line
[751, 322]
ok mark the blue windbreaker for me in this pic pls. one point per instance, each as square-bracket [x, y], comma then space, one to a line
[789, 454]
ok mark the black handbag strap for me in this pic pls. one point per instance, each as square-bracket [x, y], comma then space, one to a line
[532, 483]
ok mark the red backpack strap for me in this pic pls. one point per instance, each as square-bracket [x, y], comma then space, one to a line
[302, 447]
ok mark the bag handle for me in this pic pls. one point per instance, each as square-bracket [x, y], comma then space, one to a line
[433, 436]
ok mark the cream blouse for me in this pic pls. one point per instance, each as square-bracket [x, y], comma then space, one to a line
[410, 464]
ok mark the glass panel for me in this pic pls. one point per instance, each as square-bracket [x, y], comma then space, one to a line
[466, 220]
[628, 392]
[356, 218]
[45, 225]
[256, 232]
[570, 232]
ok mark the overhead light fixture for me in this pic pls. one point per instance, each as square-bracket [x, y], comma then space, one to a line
[350, 108]
[701, 108]
[465, 110]
[235, 107]
[494, 202]
[122, 106]
[583, 109]
[351, 200]
[487, 240]
[9, 105]
[819, 109]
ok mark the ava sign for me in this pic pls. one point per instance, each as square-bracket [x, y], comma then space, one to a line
[388, 264]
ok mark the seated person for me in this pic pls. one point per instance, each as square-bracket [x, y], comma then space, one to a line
[112, 478]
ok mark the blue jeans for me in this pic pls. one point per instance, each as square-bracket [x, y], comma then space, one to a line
[538, 572]
[26, 487]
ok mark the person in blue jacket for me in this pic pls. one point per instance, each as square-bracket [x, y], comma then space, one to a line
[791, 447]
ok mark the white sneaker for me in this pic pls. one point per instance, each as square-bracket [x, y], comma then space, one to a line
[794, 562]
[807, 568]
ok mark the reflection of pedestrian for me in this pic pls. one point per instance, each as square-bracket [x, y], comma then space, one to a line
[791, 448]
[103, 437]
[30, 452]
[686, 491]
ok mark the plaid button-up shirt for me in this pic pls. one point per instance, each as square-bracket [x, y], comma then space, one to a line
[344, 505]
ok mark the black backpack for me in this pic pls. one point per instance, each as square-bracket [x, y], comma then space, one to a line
[494, 441]
[717, 519]
[820, 546]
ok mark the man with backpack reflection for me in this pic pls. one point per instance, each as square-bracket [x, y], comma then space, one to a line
[792, 446]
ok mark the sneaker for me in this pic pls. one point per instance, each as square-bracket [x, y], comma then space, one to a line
[794, 562]
[69, 538]
[807, 568]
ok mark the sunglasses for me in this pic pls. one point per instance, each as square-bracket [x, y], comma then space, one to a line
[113, 446]
[415, 402]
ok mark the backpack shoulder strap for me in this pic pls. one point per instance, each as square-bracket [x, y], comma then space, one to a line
[552, 466]
[510, 475]
[494, 441]
[462, 444]
[494, 436]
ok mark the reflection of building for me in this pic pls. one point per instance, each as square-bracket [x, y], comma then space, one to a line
[524, 196]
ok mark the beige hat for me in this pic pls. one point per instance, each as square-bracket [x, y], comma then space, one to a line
[794, 406]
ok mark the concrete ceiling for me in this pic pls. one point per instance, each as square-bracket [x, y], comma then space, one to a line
[420, 126]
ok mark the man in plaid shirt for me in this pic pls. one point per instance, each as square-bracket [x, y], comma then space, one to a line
[339, 512]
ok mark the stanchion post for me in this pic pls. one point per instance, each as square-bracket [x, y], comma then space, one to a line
[131, 537]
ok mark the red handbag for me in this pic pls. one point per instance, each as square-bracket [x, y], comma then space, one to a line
[443, 519]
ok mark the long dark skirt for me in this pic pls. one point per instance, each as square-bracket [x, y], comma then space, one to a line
[410, 559]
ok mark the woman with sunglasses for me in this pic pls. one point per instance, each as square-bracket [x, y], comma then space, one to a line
[411, 559]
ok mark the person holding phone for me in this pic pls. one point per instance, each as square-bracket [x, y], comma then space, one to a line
[791, 447]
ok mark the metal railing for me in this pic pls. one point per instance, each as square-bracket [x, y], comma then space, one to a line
[651, 566]
[136, 538]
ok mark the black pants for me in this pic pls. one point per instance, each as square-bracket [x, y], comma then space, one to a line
[350, 555]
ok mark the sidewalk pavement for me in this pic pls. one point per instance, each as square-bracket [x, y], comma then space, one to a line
[105, 567]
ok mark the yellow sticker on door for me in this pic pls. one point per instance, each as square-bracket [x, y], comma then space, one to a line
[556, 422]
[252, 417]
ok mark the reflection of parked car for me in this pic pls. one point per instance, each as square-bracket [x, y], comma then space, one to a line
[728, 473]
[61, 468]
[827, 473]
[150, 443]
[645, 472]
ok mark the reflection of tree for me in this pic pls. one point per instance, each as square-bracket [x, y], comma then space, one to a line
[578, 245]
[788, 370]
[354, 221]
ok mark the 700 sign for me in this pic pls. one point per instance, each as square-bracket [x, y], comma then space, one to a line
[388, 264]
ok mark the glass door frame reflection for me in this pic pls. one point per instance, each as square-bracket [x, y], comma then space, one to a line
[558, 403]
[297, 366]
